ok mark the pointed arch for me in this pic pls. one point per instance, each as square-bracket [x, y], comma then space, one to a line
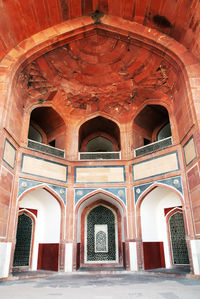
[28, 213]
[150, 117]
[145, 193]
[151, 209]
[177, 237]
[93, 197]
[96, 198]
[98, 193]
[60, 34]
[55, 196]
[98, 114]
[117, 220]
[48, 189]
[60, 224]
[99, 125]
[153, 186]
[19, 246]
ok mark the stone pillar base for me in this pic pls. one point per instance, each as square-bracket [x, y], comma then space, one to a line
[68, 257]
[195, 250]
[133, 256]
[5, 253]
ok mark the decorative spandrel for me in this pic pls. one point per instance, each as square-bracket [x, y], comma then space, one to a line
[23, 241]
[101, 244]
[178, 242]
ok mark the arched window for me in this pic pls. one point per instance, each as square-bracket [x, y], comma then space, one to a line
[47, 131]
[164, 132]
[34, 134]
[48, 121]
[150, 125]
[99, 127]
[99, 138]
[99, 144]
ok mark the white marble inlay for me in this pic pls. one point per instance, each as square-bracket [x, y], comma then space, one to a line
[101, 237]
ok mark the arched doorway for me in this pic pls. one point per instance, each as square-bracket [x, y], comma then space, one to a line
[101, 232]
[177, 238]
[24, 238]
[101, 236]
[159, 236]
[42, 239]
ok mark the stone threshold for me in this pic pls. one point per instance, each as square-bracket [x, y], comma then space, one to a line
[173, 272]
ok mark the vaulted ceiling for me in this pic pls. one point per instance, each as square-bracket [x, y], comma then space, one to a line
[100, 72]
[179, 19]
[98, 68]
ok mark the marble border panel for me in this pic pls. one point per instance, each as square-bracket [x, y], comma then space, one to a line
[154, 159]
[184, 146]
[45, 160]
[15, 151]
[100, 182]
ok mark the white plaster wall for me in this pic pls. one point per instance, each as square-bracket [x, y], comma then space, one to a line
[68, 257]
[153, 221]
[133, 256]
[5, 252]
[47, 228]
[195, 249]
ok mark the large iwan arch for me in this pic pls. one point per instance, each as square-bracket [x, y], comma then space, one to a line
[101, 62]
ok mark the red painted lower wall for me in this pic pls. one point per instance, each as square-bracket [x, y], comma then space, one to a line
[48, 257]
[153, 255]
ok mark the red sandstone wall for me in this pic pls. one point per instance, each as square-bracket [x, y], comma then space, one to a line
[194, 187]
[6, 184]
[21, 19]
[14, 123]
[14, 111]
[182, 110]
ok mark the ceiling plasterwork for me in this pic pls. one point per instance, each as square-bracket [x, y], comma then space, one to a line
[99, 72]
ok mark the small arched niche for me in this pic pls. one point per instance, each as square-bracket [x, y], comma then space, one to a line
[99, 135]
[152, 124]
[46, 127]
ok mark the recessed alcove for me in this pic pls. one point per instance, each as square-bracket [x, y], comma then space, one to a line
[47, 131]
[100, 137]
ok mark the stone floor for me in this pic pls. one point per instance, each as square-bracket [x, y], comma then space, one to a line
[102, 286]
[175, 271]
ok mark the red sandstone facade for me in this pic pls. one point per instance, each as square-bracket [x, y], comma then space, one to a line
[99, 136]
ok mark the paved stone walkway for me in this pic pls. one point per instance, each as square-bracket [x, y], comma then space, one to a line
[99, 286]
